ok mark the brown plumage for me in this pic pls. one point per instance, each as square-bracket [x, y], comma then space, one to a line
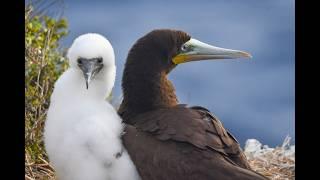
[167, 140]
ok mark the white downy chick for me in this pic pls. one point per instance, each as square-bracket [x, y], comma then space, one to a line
[82, 130]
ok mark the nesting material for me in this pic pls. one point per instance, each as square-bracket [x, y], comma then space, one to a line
[276, 163]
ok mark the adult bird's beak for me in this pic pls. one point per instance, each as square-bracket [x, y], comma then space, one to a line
[90, 67]
[194, 50]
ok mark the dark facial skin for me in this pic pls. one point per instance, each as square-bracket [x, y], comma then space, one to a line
[90, 68]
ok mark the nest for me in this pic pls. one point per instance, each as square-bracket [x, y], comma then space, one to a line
[41, 170]
[275, 163]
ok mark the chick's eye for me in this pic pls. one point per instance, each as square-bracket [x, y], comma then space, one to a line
[100, 60]
[79, 61]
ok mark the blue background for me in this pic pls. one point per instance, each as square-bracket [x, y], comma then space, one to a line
[253, 98]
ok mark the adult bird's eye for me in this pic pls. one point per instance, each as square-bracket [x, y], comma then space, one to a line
[184, 47]
[99, 60]
[79, 61]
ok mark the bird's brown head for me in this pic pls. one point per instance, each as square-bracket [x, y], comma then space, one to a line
[163, 49]
[144, 82]
[154, 51]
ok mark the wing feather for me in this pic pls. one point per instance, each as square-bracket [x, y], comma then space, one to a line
[190, 143]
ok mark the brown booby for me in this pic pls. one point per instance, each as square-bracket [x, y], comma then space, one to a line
[167, 140]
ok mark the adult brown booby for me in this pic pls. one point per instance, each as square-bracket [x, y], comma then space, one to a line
[167, 140]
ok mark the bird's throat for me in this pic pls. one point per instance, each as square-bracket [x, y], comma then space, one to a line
[144, 92]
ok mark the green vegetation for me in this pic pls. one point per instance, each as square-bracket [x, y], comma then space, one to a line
[43, 65]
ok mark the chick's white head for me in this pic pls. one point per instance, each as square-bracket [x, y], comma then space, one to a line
[93, 56]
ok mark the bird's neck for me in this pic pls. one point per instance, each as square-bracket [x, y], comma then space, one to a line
[145, 91]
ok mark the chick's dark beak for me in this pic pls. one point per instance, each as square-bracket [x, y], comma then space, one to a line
[90, 68]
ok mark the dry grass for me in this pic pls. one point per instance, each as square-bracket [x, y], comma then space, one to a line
[276, 163]
[35, 171]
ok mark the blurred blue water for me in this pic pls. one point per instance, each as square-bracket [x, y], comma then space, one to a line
[253, 98]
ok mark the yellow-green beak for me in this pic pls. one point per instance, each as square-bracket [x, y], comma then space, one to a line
[194, 50]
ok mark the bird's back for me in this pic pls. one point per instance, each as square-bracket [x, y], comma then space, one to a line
[185, 143]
